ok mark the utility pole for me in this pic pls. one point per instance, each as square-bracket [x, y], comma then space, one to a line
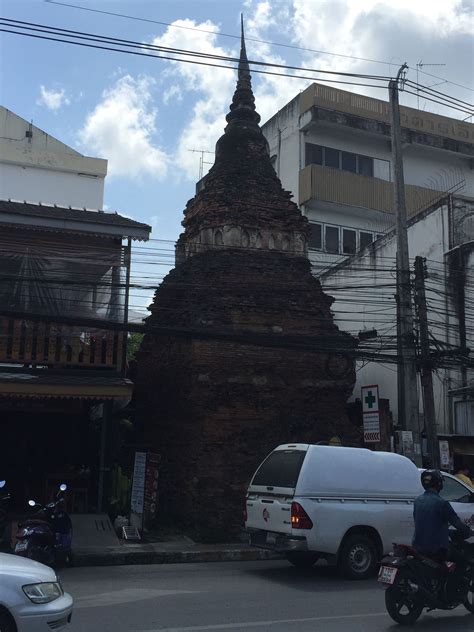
[426, 372]
[407, 378]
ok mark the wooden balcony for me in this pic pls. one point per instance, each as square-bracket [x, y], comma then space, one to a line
[343, 187]
[59, 346]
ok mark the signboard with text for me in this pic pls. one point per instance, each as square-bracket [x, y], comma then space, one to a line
[151, 488]
[370, 413]
[444, 454]
[144, 499]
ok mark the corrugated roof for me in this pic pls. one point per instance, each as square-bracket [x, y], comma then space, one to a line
[60, 213]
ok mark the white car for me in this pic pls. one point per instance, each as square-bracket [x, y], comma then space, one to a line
[31, 597]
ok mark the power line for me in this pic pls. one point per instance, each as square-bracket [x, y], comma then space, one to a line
[44, 28]
[249, 39]
[189, 61]
[46, 32]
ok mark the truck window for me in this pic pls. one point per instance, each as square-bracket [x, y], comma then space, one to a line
[280, 469]
[454, 491]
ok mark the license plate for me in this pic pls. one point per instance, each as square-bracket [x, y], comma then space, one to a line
[20, 546]
[387, 574]
[271, 538]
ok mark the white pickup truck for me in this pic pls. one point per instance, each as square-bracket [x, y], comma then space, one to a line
[347, 505]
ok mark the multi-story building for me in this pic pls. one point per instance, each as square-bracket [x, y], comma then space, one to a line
[64, 288]
[331, 148]
[35, 166]
[363, 286]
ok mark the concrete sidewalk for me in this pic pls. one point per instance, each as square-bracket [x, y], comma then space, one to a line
[173, 552]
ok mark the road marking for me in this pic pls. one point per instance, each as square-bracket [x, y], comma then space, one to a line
[256, 624]
[123, 596]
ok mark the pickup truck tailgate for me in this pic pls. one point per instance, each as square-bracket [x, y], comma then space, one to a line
[269, 512]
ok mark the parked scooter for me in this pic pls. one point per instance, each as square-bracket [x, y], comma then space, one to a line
[3, 513]
[414, 582]
[47, 536]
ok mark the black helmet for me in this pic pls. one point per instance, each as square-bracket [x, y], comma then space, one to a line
[432, 479]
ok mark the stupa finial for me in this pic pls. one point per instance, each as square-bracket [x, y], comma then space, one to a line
[242, 109]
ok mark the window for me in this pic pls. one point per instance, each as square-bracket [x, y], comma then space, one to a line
[365, 239]
[280, 469]
[382, 169]
[313, 154]
[331, 157]
[379, 236]
[315, 236]
[349, 162]
[348, 241]
[366, 166]
[454, 492]
[332, 239]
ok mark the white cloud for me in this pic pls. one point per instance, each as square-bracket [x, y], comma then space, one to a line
[122, 127]
[53, 99]
[212, 87]
[173, 93]
[387, 30]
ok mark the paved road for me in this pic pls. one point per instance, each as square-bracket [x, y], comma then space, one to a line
[226, 597]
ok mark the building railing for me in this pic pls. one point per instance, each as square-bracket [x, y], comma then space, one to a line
[344, 187]
[330, 98]
[59, 346]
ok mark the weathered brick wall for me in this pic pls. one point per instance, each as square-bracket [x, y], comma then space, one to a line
[213, 409]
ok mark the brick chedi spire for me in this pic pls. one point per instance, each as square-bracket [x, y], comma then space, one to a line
[226, 389]
[241, 202]
[242, 110]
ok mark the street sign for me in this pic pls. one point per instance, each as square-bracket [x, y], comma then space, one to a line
[370, 399]
[408, 447]
[444, 454]
[370, 413]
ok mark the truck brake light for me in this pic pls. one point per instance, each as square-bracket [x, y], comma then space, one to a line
[299, 517]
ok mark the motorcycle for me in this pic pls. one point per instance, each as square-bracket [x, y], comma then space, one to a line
[3, 514]
[414, 582]
[47, 536]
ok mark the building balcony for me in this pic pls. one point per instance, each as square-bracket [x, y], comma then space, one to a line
[325, 184]
[59, 346]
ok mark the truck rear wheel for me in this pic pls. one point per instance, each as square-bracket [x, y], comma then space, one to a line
[302, 559]
[358, 557]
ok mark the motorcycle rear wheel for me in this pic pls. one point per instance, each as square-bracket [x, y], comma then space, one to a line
[468, 602]
[403, 608]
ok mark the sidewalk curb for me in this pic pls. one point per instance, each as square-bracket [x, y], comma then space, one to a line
[123, 558]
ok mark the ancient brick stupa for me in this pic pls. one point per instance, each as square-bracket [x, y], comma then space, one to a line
[256, 360]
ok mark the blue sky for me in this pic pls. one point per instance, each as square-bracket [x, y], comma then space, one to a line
[144, 115]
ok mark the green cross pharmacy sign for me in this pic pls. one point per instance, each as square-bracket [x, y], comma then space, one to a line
[370, 413]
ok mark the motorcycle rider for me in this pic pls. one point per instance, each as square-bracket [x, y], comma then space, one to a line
[433, 515]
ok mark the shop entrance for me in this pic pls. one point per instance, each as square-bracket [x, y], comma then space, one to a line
[47, 442]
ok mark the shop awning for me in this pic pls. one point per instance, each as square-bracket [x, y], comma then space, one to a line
[63, 386]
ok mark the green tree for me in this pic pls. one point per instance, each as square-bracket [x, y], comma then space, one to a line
[133, 345]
